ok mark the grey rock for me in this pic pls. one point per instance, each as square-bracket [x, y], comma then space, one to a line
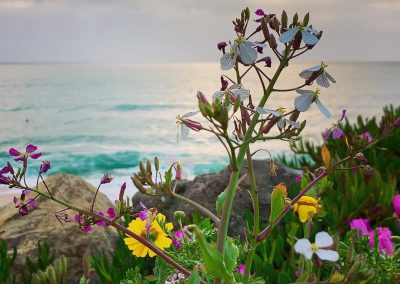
[204, 189]
[23, 232]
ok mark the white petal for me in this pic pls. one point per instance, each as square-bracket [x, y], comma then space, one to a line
[281, 123]
[305, 74]
[303, 102]
[247, 53]
[235, 86]
[304, 92]
[191, 113]
[326, 254]
[309, 38]
[330, 77]
[184, 131]
[227, 61]
[295, 124]
[322, 80]
[268, 111]
[311, 30]
[288, 35]
[322, 109]
[242, 93]
[323, 240]
[218, 95]
[303, 246]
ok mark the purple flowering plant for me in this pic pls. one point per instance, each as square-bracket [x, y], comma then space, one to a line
[238, 121]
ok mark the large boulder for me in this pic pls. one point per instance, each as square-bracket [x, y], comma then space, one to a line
[64, 238]
[204, 189]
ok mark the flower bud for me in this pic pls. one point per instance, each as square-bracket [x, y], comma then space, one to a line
[397, 122]
[10, 168]
[122, 191]
[194, 125]
[107, 178]
[264, 27]
[44, 167]
[204, 105]
[221, 46]
[272, 42]
[179, 215]
[268, 126]
[156, 164]
[148, 168]
[178, 172]
[142, 168]
[138, 185]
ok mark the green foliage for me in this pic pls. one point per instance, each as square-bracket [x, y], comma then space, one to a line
[277, 202]
[44, 259]
[54, 274]
[6, 262]
[134, 276]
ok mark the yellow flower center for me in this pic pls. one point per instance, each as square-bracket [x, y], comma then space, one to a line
[314, 248]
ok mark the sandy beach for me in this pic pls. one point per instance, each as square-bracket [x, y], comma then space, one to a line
[6, 195]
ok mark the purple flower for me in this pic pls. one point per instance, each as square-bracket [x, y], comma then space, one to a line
[145, 215]
[260, 12]
[362, 225]
[385, 246]
[367, 136]
[241, 269]
[221, 46]
[122, 191]
[397, 122]
[4, 179]
[23, 156]
[298, 178]
[335, 130]
[178, 171]
[110, 214]
[44, 167]
[107, 178]
[181, 235]
[23, 203]
[86, 227]
[396, 204]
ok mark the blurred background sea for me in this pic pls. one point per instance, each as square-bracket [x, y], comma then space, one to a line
[91, 118]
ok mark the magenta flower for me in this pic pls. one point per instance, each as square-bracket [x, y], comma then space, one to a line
[396, 204]
[178, 171]
[367, 136]
[262, 14]
[44, 167]
[385, 245]
[85, 226]
[335, 130]
[23, 203]
[145, 215]
[241, 269]
[298, 178]
[23, 156]
[110, 214]
[362, 225]
[4, 179]
[181, 235]
[107, 178]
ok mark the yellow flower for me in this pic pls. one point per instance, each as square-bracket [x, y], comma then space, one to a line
[155, 235]
[306, 207]
[337, 277]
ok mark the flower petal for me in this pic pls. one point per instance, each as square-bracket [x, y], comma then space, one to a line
[281, 123]
[323, 109]
[30, 148]
[330, 77]
[303, 102]
[295, 124]
[243, 94]
[218, 95]
[14, 152]
[248, 54]
[337, 133]
[326, 254]
[288, 35]
[323, 240]
[303, 246]
[35, 156]
[268, 111]
[322, 80]
[191, 113]
[309, 38]
[227, 61]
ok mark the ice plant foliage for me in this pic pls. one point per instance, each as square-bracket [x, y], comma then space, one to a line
[238, 118]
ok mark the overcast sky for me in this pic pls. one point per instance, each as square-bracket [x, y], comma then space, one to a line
[183, 30]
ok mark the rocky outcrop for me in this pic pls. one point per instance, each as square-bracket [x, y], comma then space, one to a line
[204, 189]
[64, 238]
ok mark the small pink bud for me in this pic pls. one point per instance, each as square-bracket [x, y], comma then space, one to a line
[192, 124]
[178, 173]
[397, 122]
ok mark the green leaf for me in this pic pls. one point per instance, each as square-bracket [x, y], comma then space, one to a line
[231, 255]
[194, 277]
[213, 261]
[277, 201]
[284, 278]
[219, 203]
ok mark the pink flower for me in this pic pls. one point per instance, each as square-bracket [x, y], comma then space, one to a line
[241, 269]
[181, 235]
[362, 225]
[83, 223]
[107, 178]
[23, 203]
[4, 179]
[298, 178]
[396, 204]
[385, 244]
[23, 156]
[110, 214]
[44, 167]
[367, 136]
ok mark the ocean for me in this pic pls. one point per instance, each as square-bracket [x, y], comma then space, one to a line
[89, 118]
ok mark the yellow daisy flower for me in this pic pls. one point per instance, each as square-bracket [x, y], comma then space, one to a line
[306, 207]
[155, 235]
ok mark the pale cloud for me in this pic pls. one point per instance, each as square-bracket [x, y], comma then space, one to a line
[182, 30]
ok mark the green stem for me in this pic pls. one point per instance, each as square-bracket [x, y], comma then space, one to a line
[199, 207]
[256, 223]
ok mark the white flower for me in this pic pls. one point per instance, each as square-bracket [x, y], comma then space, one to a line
[322, 241]
[184, 124]
[236, 90]
[307, 34]
[278, 113]
[323, 77]
[175, 278]
[244, 48]
[306, 98]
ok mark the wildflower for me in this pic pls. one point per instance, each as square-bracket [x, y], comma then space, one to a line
[23, 203]
[185, 123]
[319, 74]
[337, 277]
[154, 234]
[306, 98]
[367, 136]
[241, 269]
[84, 223]
[397, 122]
[178, 172]
[278, 114]
[322, 241]
[221, 46]
[269, 17]
[362, 225]
[308, 34]
[107, 178]
[235, 90]
[4, 179]
[44, 167]
[396, 204]
[23, 156]
[180, 236]
[298, 178]
[335, 130]
[306, 207]
[175, 278]
[228, 60]
[385, 244]
[110, 214]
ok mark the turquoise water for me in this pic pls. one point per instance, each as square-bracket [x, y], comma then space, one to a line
[94, 118]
